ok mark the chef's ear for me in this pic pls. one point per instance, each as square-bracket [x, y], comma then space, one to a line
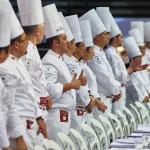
[56, 42]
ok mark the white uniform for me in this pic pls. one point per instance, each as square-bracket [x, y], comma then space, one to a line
[120, 73]
[91, 82]
[57, 74]
[106, 83]
[73, 65]
[17, 76]
[147, 54]
[34, 66]
[136, 90]
[11, 117]
[91, 79]
[145, 74]
[4, 142]
[82, 97]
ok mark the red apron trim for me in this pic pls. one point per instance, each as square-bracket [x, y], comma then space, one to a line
[80, 112]
[29, 124]
[63, 116]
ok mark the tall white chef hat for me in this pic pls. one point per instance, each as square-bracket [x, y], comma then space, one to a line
[86, 33]
[139, 25]
[16, 29]
[147, 31]
[137, 36]
[30, 12]
[103, 13]
[132, 47]
[4, 24]
[96, 24]
[115, 30]
[73, 23]
[66, 27]
[54, 25]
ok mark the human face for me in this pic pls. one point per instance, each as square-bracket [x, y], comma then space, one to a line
[108, 37]
[73, 46]
[3, 55]
[89, 53]
[142, 49]
[22, 45]
[81, 49]
[120, 40]
[63, 42]
[104, 38]
[40, 32]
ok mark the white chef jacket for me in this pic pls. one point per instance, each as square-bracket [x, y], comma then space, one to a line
[17, 77]
[11, 117]
[34, 66]
[4, 142]
[142, 84]
[107, 85]
[120, 73]
[117, 65]
[73, 65]
[135, 89]
[147, 54]
[57, 74]
[91, 79]
[145, 74]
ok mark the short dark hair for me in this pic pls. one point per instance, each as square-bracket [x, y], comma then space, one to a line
[49, 41]
[18, 38]
[88, 48]
[105, 47]
[29, 29]
[72, 41]
[78, 44]
[111, 39]
[4, 48]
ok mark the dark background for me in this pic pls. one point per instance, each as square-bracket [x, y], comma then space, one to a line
[126, 9]
[121, 8]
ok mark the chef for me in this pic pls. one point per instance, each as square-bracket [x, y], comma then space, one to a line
[142, 75]
[108, 88]
[147, 39]
[84, 101]
[60, 84]
[34, 28]
[91, 79]
[4, 46]
[134, 93]
[116, 62]
[17, 78]
[11, 117]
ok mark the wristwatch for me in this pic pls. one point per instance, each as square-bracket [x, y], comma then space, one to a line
[41, 117]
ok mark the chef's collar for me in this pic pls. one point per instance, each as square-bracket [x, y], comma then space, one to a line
[31, 44]
[57, 55]
[74, 59]
[83, 61]
[13, 57]
[97, 47]
[109, 46]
